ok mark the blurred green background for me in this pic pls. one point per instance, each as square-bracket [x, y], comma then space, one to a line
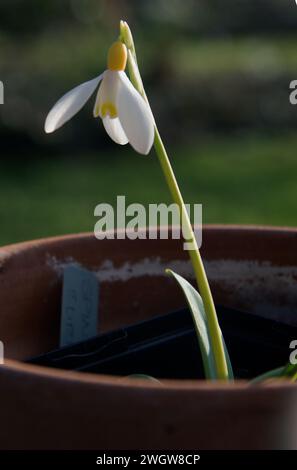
[217, 74]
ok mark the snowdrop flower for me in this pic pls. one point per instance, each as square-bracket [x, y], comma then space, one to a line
[125, 114]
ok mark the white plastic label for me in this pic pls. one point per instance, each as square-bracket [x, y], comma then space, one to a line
[79, 305]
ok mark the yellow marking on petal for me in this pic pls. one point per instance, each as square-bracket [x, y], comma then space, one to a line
[108, 109]
[117, 56]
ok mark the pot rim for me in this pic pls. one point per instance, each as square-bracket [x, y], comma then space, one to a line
[20, 246]
[39, 372]
[18, 367]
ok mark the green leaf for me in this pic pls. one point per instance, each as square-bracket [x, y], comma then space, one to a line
[196, 306]
[228, 360]
[143, 376]
[288, 371]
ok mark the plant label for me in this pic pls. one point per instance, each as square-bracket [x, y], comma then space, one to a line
[79, 305]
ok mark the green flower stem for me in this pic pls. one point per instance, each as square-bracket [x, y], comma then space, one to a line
[201, 278]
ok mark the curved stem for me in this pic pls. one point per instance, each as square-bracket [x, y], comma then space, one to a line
[200, 275]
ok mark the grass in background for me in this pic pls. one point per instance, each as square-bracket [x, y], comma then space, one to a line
[251, 54]
[246, 179]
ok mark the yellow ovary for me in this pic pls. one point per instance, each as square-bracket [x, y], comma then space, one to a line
[117, 56]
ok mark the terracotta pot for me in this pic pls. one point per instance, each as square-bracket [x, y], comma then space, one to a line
[251, 268]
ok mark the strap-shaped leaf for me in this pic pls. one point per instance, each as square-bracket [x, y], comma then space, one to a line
[288, 371]
[196, 306]
[228, 360]
[291, 372]
[197, 309]
[144, 377]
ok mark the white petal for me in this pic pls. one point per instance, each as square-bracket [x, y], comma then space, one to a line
[114, 130]
[135, 116]
[70, 104]
[98, 101]
[108, 91]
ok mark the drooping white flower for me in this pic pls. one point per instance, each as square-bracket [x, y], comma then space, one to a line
[125, 114]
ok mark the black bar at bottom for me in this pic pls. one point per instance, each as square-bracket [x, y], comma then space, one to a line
[127, 459]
